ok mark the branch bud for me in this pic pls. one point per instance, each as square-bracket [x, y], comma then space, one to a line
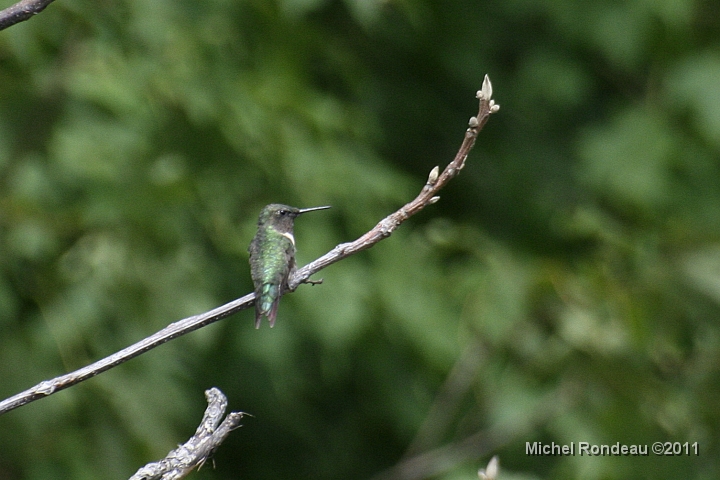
[434, 173]
[492, 470]
[485, 93]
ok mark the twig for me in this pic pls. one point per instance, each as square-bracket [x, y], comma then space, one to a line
[439, 461]
[448, 400]
[382, 230]
[200, 447]
[427, 196]
[21, 11]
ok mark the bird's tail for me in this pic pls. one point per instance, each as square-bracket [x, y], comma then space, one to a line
[266, 304]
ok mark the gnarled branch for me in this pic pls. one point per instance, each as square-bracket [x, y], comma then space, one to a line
[211, 432]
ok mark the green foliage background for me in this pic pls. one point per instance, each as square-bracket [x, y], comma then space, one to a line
[565, 289]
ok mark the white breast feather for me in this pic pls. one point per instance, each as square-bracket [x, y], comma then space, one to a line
[290, 237]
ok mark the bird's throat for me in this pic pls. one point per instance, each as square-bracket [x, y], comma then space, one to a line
[289, 236]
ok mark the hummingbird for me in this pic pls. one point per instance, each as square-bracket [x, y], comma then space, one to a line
[272, 257]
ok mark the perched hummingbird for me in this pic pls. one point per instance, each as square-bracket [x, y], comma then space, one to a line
[272, 257]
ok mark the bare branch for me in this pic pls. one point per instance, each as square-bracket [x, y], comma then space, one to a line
[427, 196]
[21, 11]
[200, 447]
[174, 330]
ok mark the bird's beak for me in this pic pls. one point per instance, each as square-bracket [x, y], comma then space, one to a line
[312, 209]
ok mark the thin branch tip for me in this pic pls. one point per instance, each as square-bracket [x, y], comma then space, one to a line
[485, 93]
[485, 97]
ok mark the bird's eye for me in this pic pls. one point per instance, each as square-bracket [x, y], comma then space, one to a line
[283, 212]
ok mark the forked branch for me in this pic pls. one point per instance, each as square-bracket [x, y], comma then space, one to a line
[211, 432]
